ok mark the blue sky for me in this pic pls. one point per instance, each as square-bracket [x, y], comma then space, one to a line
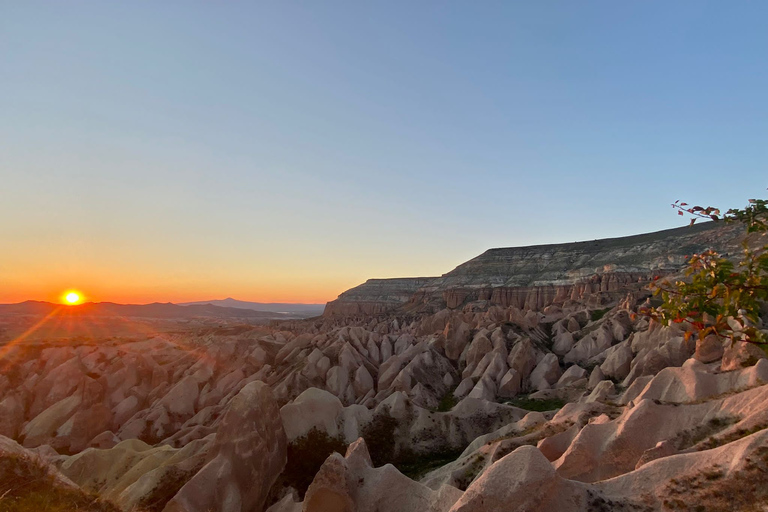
[290, 150]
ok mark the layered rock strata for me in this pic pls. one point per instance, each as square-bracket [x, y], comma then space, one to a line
[534, 277]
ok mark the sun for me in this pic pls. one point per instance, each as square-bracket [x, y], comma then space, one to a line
[72, 297]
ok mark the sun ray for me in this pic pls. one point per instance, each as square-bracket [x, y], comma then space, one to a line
[4, 350]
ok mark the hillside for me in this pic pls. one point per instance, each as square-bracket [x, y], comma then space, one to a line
[306, 310]
[155, 310]
[534, 277]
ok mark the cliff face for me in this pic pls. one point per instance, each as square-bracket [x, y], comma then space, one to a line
[376, 296]
[534, 277]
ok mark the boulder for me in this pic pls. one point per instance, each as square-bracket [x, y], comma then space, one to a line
[709, 349]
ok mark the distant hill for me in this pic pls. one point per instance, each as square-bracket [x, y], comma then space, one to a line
[274, 307]
[154, 310]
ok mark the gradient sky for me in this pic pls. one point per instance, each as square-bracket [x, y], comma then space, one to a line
[287, 151]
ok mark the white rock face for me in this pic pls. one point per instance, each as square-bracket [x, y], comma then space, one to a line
[692, 382]
[526, 478]
[250, 447]
[510, 384]
[314, 408]
[346, 484]
[595, 377]
[602, 391]
[546, 373]
[181, 399]
[464, 387]
[589, 347]
[522, 358]
[618, 361]
[363, 382]
[337, 381]
[573, 374]
[456, 339]
[563, 343]
[484, 389]
[45, 424]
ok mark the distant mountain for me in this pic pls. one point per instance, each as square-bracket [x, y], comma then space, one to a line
[274, 307]
[154, 310]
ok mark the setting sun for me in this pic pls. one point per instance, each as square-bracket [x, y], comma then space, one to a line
[72, 297]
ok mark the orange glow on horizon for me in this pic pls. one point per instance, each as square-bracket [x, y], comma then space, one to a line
[128, 288]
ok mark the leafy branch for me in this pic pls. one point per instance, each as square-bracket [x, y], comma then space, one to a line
[716, 295]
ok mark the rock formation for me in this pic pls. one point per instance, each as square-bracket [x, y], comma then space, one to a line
[525, 376]
[537, 276]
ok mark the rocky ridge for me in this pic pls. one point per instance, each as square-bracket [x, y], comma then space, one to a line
[537, 276]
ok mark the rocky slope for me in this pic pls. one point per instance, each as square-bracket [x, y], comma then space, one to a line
[537, 276]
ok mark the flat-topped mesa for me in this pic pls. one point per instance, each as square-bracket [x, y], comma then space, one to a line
[534, 277]
[376, 296]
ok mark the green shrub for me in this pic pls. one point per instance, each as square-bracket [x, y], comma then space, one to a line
[533, 404]
[379, 436]
[416, 465]
[718, 296]
[305, 456]
[447, 403]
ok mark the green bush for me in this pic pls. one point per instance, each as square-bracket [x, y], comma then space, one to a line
[533, 404]
[598, 314]
[448, 402]
[305, 456]
[379, 436]
[718, 296]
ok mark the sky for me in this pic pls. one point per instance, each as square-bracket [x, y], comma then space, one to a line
[287, 151]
